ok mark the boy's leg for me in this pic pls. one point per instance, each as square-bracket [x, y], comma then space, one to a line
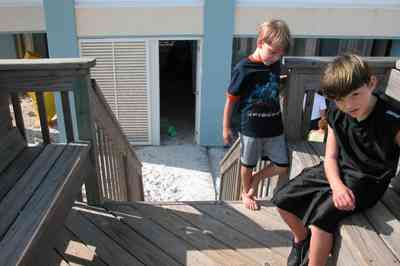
[275, 150]
[268, 171]
[297, 227]
[320, 246]
[248, 200]
[249, 155]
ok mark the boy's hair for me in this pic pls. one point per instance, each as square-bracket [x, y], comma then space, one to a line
[275, 32]
[344, 75]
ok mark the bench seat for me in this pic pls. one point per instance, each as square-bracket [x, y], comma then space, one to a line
[38, 187]
[369, 238]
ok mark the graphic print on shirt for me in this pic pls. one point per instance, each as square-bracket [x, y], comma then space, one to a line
[264, 99]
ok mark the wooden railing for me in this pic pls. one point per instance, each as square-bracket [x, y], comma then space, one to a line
[231, 183]
[114, 170]
[118, 168]
[303, 79]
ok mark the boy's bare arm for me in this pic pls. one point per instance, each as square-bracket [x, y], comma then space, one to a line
[226, 130]
[398, 138]
[343, 197]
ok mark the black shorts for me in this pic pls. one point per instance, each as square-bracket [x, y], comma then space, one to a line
[309, 197]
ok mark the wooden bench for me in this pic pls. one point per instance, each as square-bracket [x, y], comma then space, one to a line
[38, 185]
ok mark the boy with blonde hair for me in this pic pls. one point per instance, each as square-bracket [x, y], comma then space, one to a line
[254, 87]
[360, 160]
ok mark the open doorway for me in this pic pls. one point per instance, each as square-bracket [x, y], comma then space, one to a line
[177, 61]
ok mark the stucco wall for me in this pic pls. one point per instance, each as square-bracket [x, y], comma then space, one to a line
[139, 21]
[354, 22]
[21, 19]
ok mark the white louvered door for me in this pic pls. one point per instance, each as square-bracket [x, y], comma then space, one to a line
[122, 73]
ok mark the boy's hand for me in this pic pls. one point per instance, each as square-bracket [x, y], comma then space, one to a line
[227, 136]
[343, 198]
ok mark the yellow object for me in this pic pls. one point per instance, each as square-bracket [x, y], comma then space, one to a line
[49, 101]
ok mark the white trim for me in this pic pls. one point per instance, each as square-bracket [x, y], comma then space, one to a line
[21, 3]
[149, 102]
[382, 4]
[154, 81]
[139, 3]
[199, 72]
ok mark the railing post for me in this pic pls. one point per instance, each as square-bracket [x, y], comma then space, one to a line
[86, 131]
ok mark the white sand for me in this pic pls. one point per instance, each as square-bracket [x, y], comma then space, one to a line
[176, 172]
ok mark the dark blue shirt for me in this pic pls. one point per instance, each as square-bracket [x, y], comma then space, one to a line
[258, 107]
[367, 148]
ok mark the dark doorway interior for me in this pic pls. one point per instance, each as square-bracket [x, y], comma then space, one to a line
[177, 91]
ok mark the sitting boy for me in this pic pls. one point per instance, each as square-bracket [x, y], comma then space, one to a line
[360, 160]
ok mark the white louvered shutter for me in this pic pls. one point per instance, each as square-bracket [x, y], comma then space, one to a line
[122, 73]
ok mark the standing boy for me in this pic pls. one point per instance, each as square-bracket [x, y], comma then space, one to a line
[254, 87]
[360, 160]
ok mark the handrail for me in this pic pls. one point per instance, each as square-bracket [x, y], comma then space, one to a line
[114, 171]
[119, 168]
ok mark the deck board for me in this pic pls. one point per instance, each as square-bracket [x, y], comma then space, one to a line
[226, 234]
[274, 239]
[74, 251]
[187, 233]
[199, 238]
[98, 241]
[127, 238]
[182, 251]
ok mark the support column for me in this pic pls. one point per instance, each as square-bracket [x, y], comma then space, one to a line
[62, 41]
[217, 58]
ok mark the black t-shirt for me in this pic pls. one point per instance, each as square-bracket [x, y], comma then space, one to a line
[259, 108]
[367, 149]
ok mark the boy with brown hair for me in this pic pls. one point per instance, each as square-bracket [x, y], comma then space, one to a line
[360, 160]
[254, 87]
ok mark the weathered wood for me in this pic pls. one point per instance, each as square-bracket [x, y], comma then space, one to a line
[124, 236]
[393, 87]
[10, 176]
[18, 87]
[320, 61]
[86, 131]
[182, 251]
[11, 144]
[98, 242]
[303, 156]
[67, 116]
[270, 239]
[19, 120]
[43, 117]
[44, 64]
[44, 204]
[75, 252]
[16, 199]
[363, 242]
[202, 240]
[231, 238]
[386, 225]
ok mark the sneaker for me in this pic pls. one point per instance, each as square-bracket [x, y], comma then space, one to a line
[299, 253]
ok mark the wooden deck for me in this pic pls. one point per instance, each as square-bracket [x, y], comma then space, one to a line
[198, 233]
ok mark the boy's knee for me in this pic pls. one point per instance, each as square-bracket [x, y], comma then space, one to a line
[315, 229]
[281, 170]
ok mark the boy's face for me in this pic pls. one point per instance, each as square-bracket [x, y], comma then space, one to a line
[270, 54]
[358, 103]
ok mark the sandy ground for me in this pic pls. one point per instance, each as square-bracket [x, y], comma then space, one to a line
[178, 172]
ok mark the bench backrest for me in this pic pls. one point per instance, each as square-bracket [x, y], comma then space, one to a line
[11, 141]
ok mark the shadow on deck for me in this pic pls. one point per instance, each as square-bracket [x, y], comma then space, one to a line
[189, 233]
